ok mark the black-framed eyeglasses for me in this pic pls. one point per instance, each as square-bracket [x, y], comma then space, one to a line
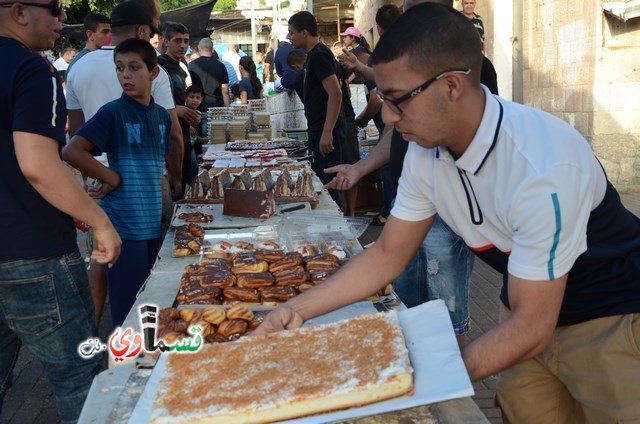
[394, 104]
[55, 7]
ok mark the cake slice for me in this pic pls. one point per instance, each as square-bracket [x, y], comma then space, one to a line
[287, 374]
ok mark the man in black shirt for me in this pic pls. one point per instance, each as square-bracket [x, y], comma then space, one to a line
[213, 75]
[322, 97]
[177, 40]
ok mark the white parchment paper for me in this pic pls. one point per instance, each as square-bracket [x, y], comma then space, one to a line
[439, 373]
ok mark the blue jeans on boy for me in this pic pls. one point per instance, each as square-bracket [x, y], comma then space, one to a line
[46, 305]
[441, 269]
[320, 162]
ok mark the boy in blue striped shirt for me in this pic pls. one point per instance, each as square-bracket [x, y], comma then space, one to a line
[134, 132]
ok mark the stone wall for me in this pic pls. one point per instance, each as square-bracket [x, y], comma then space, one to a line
[615, 127]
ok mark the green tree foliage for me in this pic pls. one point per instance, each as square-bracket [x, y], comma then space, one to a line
[225, 5]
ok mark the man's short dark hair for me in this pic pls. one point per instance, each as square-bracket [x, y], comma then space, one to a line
[92, 20]
[194, 89]
[304, 20]
[296, 56]
[140, 47]
[434, 38]
[174, 28]
[386, 15]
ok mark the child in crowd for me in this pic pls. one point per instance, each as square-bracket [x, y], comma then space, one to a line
[195, 96]
[296, 60]
[235, 94]
[135, 134]
[259, 60]
[250, 85]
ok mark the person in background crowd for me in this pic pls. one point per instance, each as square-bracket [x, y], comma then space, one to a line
[64, 58]
[526, 193]
[231, 74]
[250, 86]
[322, 98]
[193, 53]
[177, 40]
[93, 82]
[269, 63]
[468, 10]
[97, 28]
[235, 94]
[195, 96]
[46, 300]
[213, 76]
[133, 131]
[259, 61]
[296, 60]
[233, 57]
[354, 41]
[336, 48]
[286, 76]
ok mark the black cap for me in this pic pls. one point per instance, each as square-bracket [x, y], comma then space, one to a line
[129, 13]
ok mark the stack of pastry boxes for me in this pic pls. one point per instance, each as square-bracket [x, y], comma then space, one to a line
[288, 183]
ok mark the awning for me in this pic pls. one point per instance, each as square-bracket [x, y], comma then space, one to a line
[623, 10]
[194, 17]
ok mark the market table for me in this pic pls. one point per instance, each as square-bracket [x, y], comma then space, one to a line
[115, 392]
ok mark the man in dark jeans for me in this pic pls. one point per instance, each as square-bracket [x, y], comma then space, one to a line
[322, 98]
[45, 300]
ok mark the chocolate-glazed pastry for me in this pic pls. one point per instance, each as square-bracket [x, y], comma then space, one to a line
[250, 265]
[253, 281]
[290, 259]
[239, 293]
[269, 256]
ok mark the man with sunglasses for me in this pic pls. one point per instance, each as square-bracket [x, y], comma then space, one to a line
[45, 301]
[525, 192]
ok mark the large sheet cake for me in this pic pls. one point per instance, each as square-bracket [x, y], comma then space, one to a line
[287, 374]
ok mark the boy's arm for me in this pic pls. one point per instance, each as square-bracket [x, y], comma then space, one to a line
[77, 153]
[373, 106]
[225, 94]
[332, 87]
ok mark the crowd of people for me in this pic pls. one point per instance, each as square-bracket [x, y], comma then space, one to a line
[466, 174]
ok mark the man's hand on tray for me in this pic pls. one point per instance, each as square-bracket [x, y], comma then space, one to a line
[282, 318]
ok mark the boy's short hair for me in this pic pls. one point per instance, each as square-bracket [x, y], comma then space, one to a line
[174, 28]
[304, 20]
[296, 56]
[387, 15]
[142, 48]
[194, 89]
[235, 90]
[92, 20]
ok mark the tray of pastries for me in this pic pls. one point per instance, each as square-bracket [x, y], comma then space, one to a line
[188, 240]
[255, 274]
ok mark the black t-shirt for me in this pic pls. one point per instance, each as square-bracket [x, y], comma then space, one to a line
[269, 59]
[212, 75]
[343, 74]
[320, 64]
[177, 77]
[245, 85]
[399, 146]
[32, 101]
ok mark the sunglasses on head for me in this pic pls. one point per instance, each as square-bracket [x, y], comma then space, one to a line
[54, 7]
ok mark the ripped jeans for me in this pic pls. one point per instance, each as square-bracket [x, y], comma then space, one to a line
[441, 269]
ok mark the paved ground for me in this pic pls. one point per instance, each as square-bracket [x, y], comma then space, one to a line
[30, 400]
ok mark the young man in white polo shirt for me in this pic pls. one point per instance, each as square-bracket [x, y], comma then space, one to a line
[525, 192]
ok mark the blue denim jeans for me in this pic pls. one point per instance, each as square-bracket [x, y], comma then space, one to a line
[46, 305]
[320, 162]
[441, 269]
